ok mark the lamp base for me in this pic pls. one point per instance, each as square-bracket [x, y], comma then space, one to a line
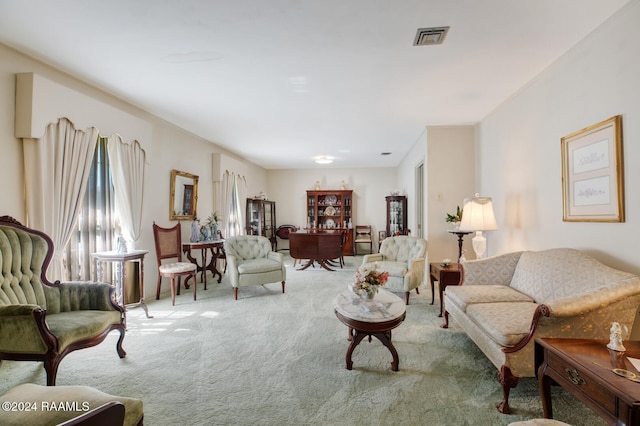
[479, 243]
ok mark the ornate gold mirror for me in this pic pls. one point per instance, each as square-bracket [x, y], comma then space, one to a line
[184, 196]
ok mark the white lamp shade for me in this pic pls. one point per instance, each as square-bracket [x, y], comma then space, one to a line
[477, 214]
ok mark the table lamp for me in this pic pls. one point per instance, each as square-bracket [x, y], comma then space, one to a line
[477, 215]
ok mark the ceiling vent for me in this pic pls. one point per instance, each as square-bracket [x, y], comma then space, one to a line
[430, 36]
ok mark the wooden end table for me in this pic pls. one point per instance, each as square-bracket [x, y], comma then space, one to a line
[572, 364]
[214, 246]
[119, 259]
[376, 317]
[445, 275]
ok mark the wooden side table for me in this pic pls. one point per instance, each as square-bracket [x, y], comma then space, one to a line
[119, 259]
[583, 367]
[375, 317]
[445, 275]
[215, 246]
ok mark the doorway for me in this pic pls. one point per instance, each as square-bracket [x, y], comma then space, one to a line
[419, 199]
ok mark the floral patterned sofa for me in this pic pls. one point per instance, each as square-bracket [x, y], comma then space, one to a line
[507, 301]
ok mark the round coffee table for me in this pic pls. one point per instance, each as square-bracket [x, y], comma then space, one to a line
[375, 317]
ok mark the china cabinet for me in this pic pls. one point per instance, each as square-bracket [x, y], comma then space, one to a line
[332, 209]
[396, 214]
[261, 219]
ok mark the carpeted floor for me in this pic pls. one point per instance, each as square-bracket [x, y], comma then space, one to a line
[279, 359]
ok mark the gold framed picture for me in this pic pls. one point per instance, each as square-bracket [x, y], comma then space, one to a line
[592, 173]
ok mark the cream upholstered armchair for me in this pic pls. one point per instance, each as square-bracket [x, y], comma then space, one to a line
[404, 258]
[251, 261]
[44, 321]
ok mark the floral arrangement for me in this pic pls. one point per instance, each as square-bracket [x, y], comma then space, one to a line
[368, 280]
[454, 218]
[213, 218]
[209, 228]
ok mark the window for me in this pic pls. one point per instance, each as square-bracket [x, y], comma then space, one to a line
[97, 224]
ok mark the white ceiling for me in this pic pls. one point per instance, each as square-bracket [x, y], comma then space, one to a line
[282, 81]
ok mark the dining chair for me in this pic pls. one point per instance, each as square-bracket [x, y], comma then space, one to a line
[363, 236]
[168, 243]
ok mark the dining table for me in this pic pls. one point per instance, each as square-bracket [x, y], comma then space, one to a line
[321, 247]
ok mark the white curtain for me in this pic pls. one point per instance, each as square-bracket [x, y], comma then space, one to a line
[235, 188]
[57, 169]
[127, 169]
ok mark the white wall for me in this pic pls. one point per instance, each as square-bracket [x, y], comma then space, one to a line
[407, 182]
[519, 159]
[451, 178]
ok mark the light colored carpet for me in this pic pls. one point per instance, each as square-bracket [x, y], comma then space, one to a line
[279, 359]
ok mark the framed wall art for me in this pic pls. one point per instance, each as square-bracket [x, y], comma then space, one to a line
[592, 173]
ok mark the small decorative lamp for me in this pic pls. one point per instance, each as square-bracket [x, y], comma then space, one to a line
[477, 215]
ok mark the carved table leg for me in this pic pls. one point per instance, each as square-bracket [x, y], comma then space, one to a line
[356, 338]
[446, 320]
[544, 385]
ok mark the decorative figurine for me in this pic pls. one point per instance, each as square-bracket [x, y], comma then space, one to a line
[615, 338]
[195, 231]
[121, 244]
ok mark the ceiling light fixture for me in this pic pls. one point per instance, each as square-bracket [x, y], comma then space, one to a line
[385, 153]
[324, 159]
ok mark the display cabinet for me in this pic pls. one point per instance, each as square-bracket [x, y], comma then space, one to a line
[329, 209]
[261, 219]
[396, 215]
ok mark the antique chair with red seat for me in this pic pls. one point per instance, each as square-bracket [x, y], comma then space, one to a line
[42, 320]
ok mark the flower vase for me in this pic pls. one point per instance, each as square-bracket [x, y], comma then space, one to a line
[369, 296]
[214, 231]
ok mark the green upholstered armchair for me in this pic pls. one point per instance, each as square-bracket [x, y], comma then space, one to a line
[252, 262]
[44, 321]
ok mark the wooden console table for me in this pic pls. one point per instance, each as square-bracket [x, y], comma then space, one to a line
[215, 246]
[445, 275]
[119, 259]
[572, 364]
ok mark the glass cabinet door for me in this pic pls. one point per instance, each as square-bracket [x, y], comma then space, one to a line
[267, 220]
[396, 215]
[253, 217]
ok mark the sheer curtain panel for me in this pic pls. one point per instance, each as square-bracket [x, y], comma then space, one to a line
[56, 173]
[235, 188]
[127, 168]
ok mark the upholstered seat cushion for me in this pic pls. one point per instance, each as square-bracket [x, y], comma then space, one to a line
[466, 295]
[50, 395]
[176, 267]
[70, 327]
[506, 323]
[258, 266]
[395, 269]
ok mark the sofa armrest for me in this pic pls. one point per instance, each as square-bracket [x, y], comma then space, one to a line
[232, 269]
[21, 329]
[492, 270]
[369, 258]
[275, 256]
[75, 296]
[417, 266]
